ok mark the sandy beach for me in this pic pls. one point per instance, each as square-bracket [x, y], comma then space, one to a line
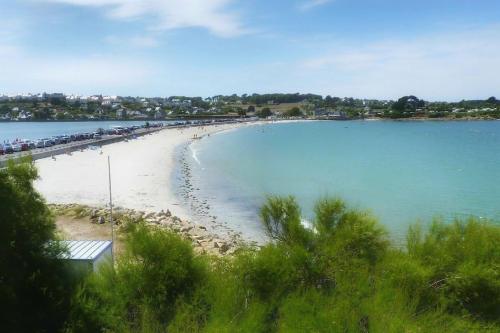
[141, 172]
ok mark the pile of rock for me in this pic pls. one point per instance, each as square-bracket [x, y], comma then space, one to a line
[203, 240]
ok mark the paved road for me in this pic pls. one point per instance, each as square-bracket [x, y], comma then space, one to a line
[73, 146]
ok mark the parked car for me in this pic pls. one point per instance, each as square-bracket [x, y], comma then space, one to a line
[96, 136]
[48, 141]
[39, 144]
[31, 144]
[16, 147]
[8, 148]
[24, 145]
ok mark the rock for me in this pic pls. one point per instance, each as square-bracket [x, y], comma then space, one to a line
[224, 248]
[94, 213]
[202, 227]
[186, 228]
[231, 251]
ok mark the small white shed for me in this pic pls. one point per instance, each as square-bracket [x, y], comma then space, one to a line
[88, 255]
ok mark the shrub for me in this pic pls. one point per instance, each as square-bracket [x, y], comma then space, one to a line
[35, 287]
[157, 269]
[464, 259]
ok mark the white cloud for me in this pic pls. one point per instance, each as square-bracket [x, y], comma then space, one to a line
[91, 74]
[310, 4]
[10, 32]
[213, 15]
[137, 41]
[448, 65]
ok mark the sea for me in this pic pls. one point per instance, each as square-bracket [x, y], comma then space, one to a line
[402, 172]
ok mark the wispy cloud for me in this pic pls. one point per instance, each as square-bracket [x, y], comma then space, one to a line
[310, 4]
[84, 74]
[213, 15]
[136, 41]
[455, 64]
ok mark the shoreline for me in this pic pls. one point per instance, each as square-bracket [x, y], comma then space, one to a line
[142, 172]
[136, 166]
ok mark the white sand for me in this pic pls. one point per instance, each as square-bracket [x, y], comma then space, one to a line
[141, 171]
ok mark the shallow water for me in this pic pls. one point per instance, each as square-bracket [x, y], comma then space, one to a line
[401, 171]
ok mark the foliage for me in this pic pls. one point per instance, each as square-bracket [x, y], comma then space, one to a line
[338, 274]
[157, 270]
[335, 273]
[294, 112]
[264, 113]
[408, 104]
[35, 287]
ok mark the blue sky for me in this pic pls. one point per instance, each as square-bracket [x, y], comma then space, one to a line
[438, 50]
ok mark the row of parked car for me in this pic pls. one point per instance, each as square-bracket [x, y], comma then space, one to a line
[25, 144]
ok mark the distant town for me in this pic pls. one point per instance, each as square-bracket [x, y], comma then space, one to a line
[62, 107]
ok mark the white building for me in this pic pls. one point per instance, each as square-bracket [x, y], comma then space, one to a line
[88, 255]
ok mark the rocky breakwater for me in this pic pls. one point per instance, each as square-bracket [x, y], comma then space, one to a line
[202, 239]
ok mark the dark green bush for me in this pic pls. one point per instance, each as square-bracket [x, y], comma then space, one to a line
[35, 287]
[339, 275]
[463, 259]
[157, 270]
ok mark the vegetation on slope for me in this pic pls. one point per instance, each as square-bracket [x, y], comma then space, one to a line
[342, 274]
[35, 287]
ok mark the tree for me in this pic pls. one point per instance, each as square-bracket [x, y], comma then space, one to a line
[264, 113]
[294, 112]
[492, 100]
[241, 111]
[251, 108]
[35, 287]
[43, 114]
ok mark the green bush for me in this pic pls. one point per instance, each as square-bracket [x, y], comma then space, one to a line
[464, 263]
[35, 287]
[157, 270]
[341, 274]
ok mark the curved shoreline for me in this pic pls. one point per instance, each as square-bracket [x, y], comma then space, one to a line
[141, 171]
[199, 207]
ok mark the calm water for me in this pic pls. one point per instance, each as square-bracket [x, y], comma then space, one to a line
[37, 130]
[401, 171]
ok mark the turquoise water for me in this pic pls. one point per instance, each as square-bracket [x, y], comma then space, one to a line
[400, 171]
[10, 131]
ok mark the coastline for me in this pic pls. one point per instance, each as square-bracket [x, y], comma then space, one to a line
[142, 173]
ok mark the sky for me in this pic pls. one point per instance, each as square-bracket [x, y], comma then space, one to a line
[441, 50]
